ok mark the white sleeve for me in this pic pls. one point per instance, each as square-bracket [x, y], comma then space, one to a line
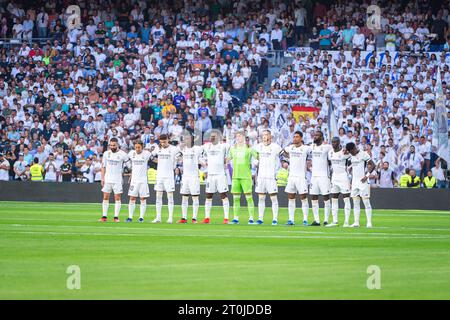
[105, 155]
[148, 155]
[154, 152]
[278, 149]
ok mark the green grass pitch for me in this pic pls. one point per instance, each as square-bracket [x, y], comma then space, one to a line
[39, 241]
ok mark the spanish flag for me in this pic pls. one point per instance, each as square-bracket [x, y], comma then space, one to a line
[305, 111]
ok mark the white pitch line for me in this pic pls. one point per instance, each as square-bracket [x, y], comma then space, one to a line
[214, 235]
[63, 205]
[281, 225]
[233, 232]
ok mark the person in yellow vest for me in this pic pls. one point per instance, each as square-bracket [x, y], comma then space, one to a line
[37, 171]
[283, 174]
[201, 175]
[404, 179]
[414, 181]
[151, 175]
[429, 182]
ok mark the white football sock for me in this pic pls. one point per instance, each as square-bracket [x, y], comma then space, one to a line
[208, 204]
[368, 209]
[159, 195]
[274, 207]
[291, 209]
[347, 209]
[105, 207]
[226, 208]
[261, 206]
[356, 209]
[143, 209]
[184, 206]
[131, 207]
[195, 205]
[170, 204]
[305, 209]
[326, 209]
[335, 209]
[117, 206]
[315, 210]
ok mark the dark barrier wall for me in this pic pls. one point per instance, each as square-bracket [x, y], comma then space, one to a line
[420, 199]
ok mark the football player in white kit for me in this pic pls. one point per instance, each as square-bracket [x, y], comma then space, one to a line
[360, 185]
[320, 180]
[216, 180]
[297, 183]
[166, 157]
[190, 182]
[266, 182]
[112, 180]
[138, 185]
[340, 183]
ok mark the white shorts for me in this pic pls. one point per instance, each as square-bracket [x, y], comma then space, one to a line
[340, 185]
[109, 187]
[191, 186]
[139, 190]
[165, 184]
[266, 185]
[297, 185]
[361, 190]
[216, 183]
[320, 186]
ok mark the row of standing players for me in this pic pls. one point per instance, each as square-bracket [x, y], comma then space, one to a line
[331, 166]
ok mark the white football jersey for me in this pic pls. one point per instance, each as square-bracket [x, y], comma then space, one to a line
[167, 158]
[113, 163]
[319, 155]
[269, 159]
[297, 159]
[139, 166]
[339, 162]
[215, 156]
[359, 163]
[191, 159]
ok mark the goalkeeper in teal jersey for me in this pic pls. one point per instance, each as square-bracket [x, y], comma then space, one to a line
[241, 155]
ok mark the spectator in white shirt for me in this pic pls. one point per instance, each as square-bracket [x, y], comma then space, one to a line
[42, 23]
[358, 40]
[276, 36]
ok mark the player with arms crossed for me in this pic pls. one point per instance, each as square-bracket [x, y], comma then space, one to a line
[241, 181]
[360, 184]
[340, 183]
[268, 155]
[112, 180]
[190, 182]
[166, 155]
[320, 181]
[138, 185]
[297, 183]
[216, 180]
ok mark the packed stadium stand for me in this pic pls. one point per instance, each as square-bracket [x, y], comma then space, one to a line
[75, 74]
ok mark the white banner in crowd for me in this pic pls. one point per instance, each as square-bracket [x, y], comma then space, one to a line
[300, 101]
[291, 93]
[367, 55]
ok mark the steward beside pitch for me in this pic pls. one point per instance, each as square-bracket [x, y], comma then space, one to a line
[429, 182]
[404, 179]
[414, 181]
[283, 174]
[37, 171]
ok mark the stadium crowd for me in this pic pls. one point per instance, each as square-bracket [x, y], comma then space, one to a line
[139, 69]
